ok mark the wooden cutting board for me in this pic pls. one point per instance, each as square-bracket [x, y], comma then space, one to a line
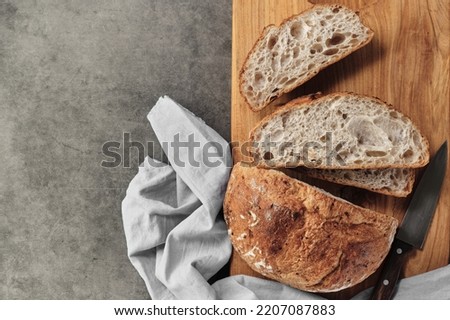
[406, 65]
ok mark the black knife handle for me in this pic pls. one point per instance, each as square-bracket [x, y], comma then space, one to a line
[386, 284]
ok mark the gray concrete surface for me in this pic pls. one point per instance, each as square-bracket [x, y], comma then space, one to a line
[74, 75]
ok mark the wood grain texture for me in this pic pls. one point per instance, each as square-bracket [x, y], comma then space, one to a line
[407, 64]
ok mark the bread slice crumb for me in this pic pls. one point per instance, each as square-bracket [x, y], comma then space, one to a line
[285, 57]
[338, 131]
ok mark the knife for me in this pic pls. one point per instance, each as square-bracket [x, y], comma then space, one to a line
[413, 230]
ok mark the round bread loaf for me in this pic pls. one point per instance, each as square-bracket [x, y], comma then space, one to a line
[300, 235]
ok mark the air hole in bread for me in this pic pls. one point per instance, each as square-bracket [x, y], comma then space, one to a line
[393, 114]
[336, 39]
[272, 42]
[268, 155]
[336, 10]
[408, 153]
[330, 52]
[296, 30]
[272, 98]
[310, 66]
[344, 116]
[323, 23]
[283, 80]
[375, 153]
[259, 79]
[329, 17]
[343, 154]
[295, 53]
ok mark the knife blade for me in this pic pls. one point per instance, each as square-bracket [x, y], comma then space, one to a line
[414, 228]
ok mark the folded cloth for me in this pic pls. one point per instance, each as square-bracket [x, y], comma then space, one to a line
[175, 236]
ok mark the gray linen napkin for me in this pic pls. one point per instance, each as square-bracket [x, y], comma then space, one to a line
[175, 238]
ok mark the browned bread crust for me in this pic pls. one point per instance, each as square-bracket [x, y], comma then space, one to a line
[300, 235]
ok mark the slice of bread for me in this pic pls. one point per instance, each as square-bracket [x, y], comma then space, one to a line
[338, 131]
[285, 57]
[300, 235]
[395, 182]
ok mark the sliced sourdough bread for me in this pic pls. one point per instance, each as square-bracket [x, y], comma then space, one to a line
[285, 57]
[395, 182]
[338, 131]
[300, 235]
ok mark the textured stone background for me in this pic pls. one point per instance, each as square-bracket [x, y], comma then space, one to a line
[73, 75]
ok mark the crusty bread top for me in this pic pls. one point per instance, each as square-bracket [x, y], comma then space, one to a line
[285, 57]
[300, 235]
[338, 131]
